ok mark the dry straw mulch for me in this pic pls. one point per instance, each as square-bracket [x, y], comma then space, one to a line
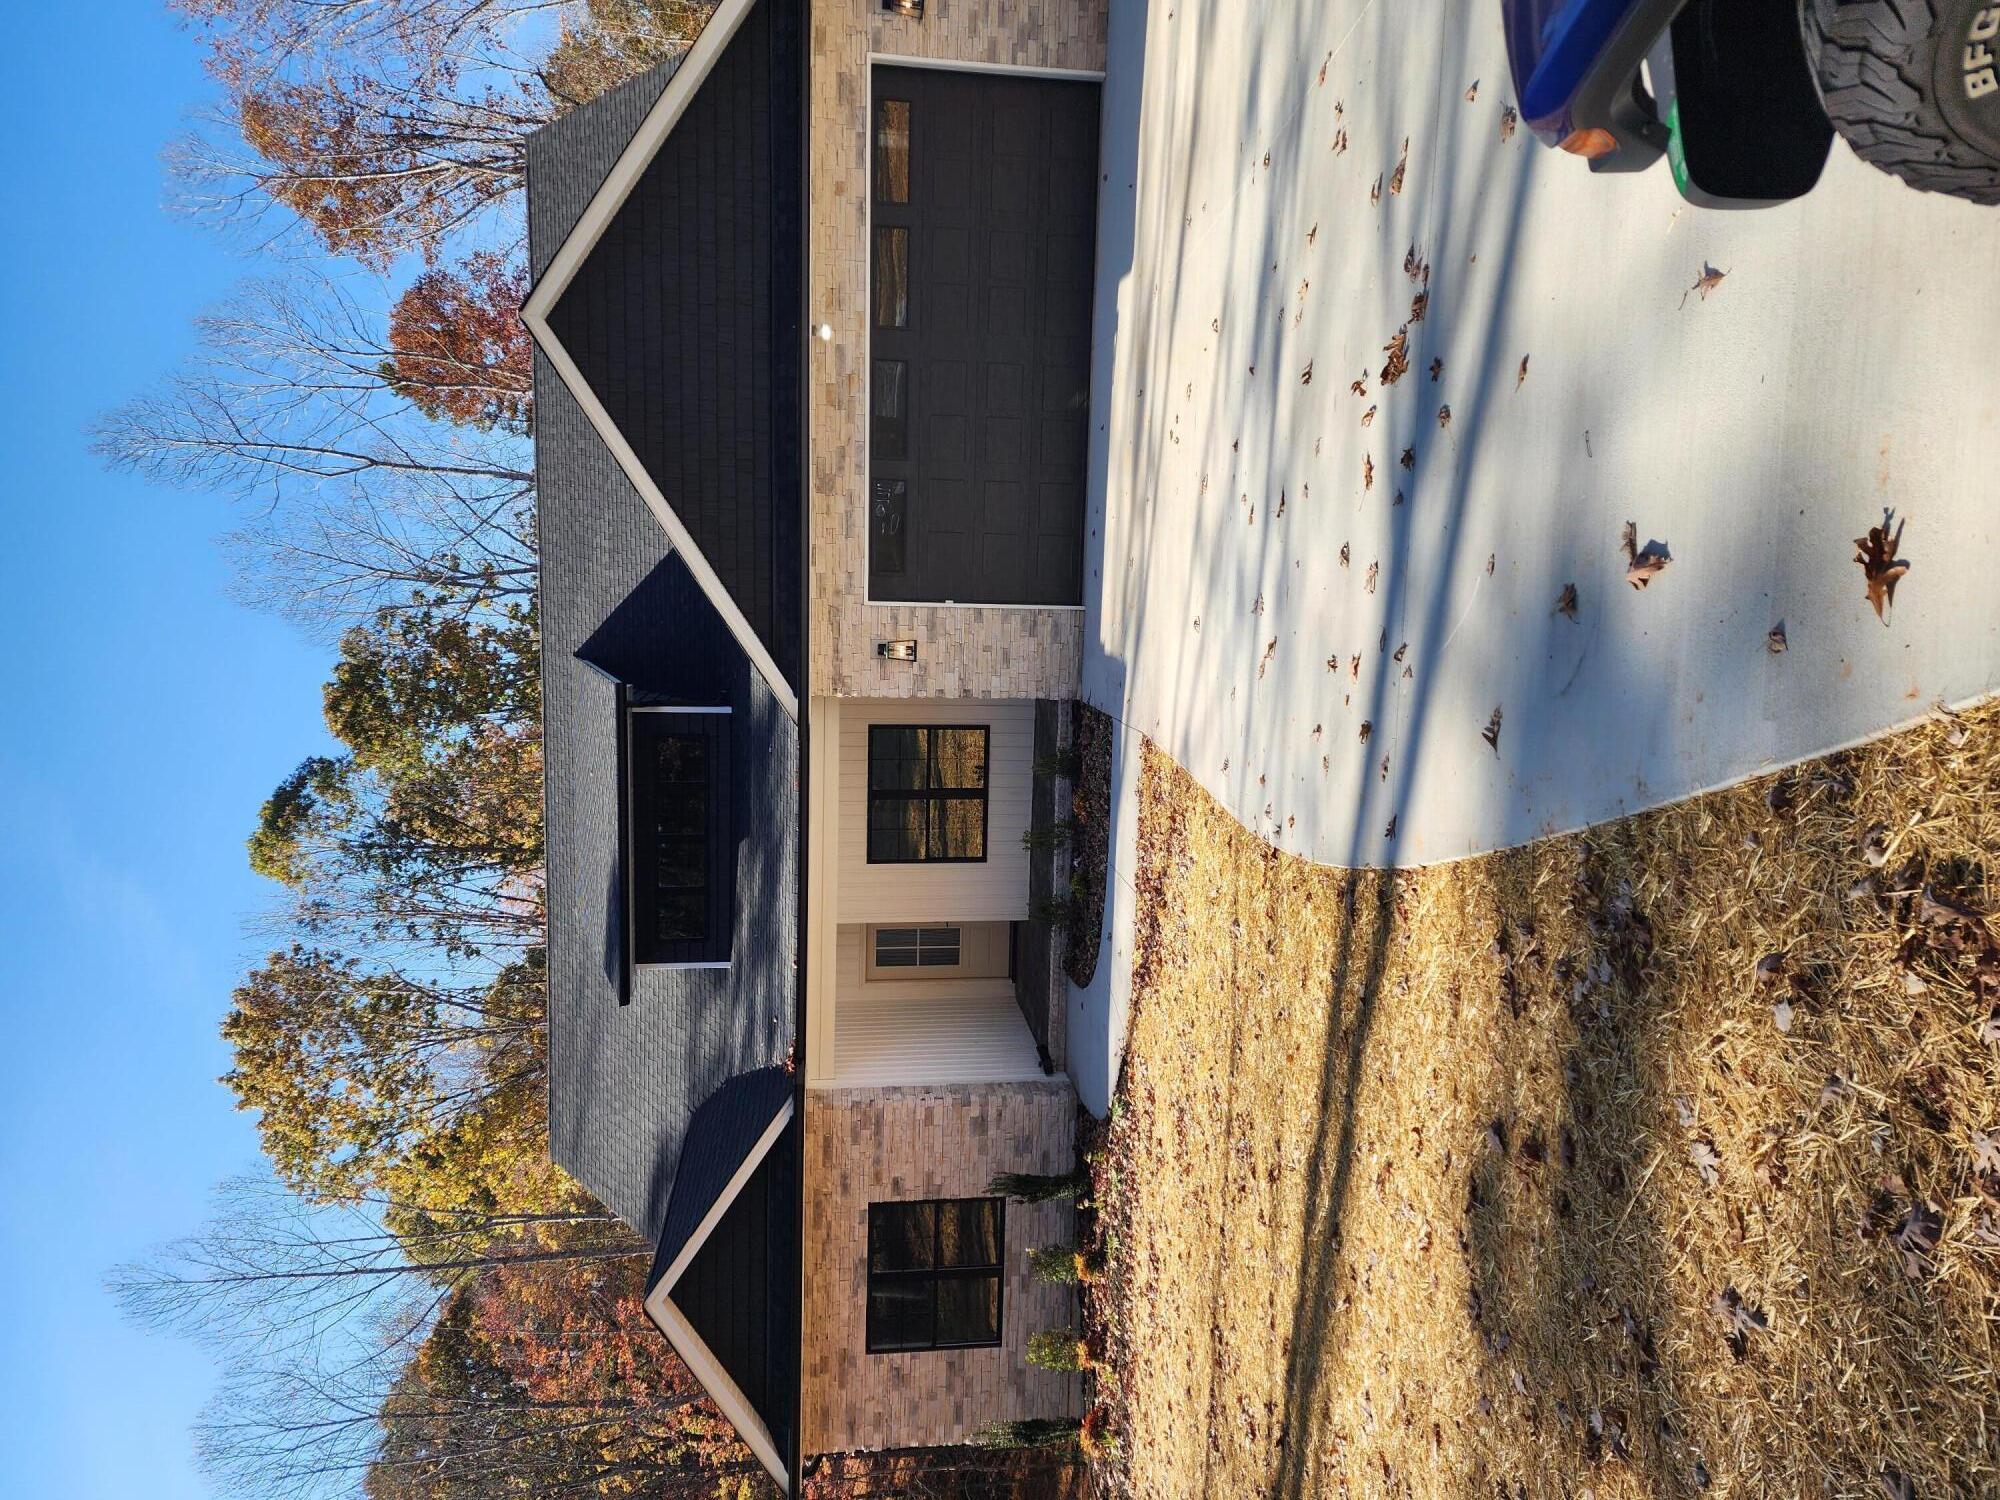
[1504, 1179]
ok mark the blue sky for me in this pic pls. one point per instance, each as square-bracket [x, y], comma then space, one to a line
[143, 715]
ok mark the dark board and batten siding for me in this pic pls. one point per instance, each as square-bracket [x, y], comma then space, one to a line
[683, 320]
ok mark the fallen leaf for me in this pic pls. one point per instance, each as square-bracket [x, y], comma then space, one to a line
[1876, 553]
[1521, 375]
[1367, 728]
[1306, 375]
[1360, 387]
[1896, 1484]
[1684, 1111]
[1437, 368]
[1312, 234]
[1409, 458]
[1491, 733]
[1270, 650]
[1490, 559]
[1642, 564]
[1413, 264]
[1740, 1318]
[1508, 120]
[1444, 416]
[1389, 833]
[1875, 845]
[1774, 639]
[1986, 1151]
[1343, 554]
[1917, 1236]
[1368, 417]
[1989, 1029]
[1374, 193]
[1707, 1160]
[1398, 363]
[1770, 968]
[1402, 166]
[1419, 305]
[1705, 283]
[1834, 1090]
[1367, 471]
[1369, 584]
[1566, 602]
[1472, 93]
[1781, 1017]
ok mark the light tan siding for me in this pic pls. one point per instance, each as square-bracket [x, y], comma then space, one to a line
[992, 890]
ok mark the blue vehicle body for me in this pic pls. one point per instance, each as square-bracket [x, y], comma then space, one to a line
[1554, 46]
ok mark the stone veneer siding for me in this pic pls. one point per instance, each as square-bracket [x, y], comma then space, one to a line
[867, 1146]
[962, 651]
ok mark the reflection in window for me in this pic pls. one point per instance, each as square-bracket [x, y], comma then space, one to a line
[889, 437]
[934, 1274]
[892, 276]
[926, 793]
[892, 151]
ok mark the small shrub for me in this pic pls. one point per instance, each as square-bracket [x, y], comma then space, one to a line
[1064, 763]
[1056, 1263]
[1034, 1187]
[1031, 1432]
[1054, 836]
[1058, 1349]
[1095, 1436]
[1054, 910]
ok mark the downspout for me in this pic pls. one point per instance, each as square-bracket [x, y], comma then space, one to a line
[802, 332]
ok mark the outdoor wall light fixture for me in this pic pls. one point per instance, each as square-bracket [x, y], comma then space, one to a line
[897, 650]
[914, 9]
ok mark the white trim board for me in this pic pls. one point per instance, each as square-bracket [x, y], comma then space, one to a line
[569, 258]
[727, 1395]
[973, 65]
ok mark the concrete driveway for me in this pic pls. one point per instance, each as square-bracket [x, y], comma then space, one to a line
[1319, 611]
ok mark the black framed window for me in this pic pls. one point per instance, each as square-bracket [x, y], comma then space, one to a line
[927, 793]
[917, 947]
[934, 1274]
[683, 859]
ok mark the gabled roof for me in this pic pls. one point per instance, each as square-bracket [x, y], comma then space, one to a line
[670, 311]
[668, 472]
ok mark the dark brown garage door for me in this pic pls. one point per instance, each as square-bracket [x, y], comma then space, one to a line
[984, 228]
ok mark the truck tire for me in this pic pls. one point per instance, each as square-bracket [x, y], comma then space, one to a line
[1914, 87]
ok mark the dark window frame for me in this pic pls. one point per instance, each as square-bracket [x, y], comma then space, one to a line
[936, 1274]
[930, 794]
[927, 941]
[644, 726]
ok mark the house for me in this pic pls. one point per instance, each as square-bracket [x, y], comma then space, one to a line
[813, 318]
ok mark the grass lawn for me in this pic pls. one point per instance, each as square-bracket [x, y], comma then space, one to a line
[1639, 1162]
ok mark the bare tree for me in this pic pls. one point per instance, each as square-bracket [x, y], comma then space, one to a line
[360, 499]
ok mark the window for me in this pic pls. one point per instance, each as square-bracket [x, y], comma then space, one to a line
[889, 435]
[892, 151]
[917, 947]
[892, 276]
[682, 859]
[926, 793]
[934, 1274]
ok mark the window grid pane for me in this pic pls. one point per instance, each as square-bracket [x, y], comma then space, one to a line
[951, 1300]
[927, 793]
[892, 151]
[892, 276]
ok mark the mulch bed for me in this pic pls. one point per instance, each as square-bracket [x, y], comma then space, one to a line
[1090, 841]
